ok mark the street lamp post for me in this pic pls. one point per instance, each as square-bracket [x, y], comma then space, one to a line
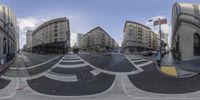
[160, 46]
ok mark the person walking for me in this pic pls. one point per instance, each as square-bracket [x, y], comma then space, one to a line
[158, 56]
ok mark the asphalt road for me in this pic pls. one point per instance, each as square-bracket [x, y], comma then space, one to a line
[110, 62]
[86, 83]
[71, 76]
[44, 67]
[72, 70]
[48, 86]
[152, 80]
[3, 83]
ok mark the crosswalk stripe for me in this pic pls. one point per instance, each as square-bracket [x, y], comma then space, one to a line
[65, 78]
[71, 66]
[139, 60]
[95, 72]
[70, 60]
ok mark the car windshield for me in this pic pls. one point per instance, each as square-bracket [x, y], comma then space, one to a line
[99, 49]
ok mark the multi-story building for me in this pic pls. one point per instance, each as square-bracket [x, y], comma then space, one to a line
[97, 40]
[138, 37]
[186, 30]
[79, 35]
[29, 40]
[52, 36]
[164, 38]
[17, 35]
[8, 33]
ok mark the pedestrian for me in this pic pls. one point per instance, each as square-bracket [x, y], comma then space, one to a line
[158, 56]
[77, 50]
[74, 50]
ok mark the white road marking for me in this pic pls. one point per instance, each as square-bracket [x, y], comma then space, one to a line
[111, 72]
[71, 66]
[138, 60]
[66, 78]
[71, 60]
[138, 65]
[35, 65]
[95, 72]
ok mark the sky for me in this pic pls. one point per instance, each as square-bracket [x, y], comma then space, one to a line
[85, 15]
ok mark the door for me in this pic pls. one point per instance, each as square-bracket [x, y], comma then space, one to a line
[196, 45]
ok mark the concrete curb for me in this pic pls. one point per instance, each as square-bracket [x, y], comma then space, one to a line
[183, 76]
[7, 64]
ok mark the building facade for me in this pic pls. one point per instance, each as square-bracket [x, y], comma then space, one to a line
[79, 36]
[52, 36]
[97, 40]
[29, 40]
[185, 30]
[8, 33]
[138, 38]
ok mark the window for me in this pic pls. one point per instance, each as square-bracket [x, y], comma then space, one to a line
[55, 30]
[61, 39]
[196, 44]
[55, 26]
[56, 34]
[130, 31]
[55, 40]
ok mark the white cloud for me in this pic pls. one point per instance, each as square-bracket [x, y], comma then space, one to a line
[73, 39]
[27, 23]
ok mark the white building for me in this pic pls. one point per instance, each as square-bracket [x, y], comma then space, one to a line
[186, 30]
[52, 36]
[29, 40]
[8, 33]
[79, 36]
[138, 37]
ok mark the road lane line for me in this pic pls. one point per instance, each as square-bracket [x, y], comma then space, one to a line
[37, 64]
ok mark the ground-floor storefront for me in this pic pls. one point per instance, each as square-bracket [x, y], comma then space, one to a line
[58, 47]
[8, 47]
[97, 48]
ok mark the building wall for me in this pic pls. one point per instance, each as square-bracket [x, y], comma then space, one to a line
[8, 32]
[137, 37]
[185, 19]
[53, 31]
[29, 39]
[79, 36]
[97, 40]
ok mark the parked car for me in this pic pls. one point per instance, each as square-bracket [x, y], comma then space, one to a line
[147, 53]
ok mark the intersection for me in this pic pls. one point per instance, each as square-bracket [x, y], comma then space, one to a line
[74, 76]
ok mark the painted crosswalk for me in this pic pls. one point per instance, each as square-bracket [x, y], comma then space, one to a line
[72, 68]
[138, 61]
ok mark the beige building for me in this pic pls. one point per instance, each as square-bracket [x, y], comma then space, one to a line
[8, 33]
[29, 40]
[52, 36]
[97, 40]
[138, 37]
[186, 30]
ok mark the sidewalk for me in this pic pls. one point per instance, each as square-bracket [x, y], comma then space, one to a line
[179, 69]
[6, 64]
